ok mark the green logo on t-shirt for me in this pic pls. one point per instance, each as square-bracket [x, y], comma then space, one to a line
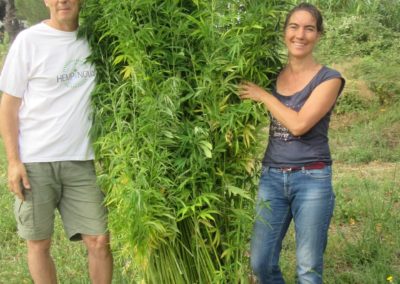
[75, 73]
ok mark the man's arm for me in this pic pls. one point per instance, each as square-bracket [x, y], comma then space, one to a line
[9, 126]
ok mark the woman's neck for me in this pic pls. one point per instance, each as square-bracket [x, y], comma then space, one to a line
[296, 65]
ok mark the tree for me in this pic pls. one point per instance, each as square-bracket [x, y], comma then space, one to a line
[2, 10]
[12, 25]
[2, 16]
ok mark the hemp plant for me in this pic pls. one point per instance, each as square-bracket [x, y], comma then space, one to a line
[177, 149]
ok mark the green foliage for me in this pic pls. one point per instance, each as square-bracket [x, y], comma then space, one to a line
[380, 71]
[350, 102]
[33, 11]
[351, 35]
[176, 146]
[387, 11]
[367, 48]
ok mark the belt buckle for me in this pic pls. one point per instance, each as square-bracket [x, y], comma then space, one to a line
[286, 170]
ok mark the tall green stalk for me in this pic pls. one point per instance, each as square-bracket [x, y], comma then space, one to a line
[176, 147]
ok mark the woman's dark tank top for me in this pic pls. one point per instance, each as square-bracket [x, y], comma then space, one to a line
[286, 150]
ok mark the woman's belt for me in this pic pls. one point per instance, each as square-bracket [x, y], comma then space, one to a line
[312, 166]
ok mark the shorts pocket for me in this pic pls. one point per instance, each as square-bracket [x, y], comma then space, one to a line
[23, 211]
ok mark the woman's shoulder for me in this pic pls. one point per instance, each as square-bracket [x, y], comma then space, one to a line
[328, 73]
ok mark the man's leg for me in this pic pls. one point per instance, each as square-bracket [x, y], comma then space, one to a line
[99, 258]
[41, 265]
[35, 220]
[85, 216]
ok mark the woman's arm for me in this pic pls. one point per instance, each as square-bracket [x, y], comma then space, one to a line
[299, 122]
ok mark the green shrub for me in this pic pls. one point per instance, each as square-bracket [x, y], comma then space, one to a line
[387, 11]
[390, 13]
[350, 36]
[367, 48]
[350, 102]
[176, 147]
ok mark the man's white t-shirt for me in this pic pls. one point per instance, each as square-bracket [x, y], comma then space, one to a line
[47, 69]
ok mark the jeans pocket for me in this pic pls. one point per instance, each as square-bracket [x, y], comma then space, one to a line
[325, 173]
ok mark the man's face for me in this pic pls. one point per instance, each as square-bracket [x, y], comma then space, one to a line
[63, 13]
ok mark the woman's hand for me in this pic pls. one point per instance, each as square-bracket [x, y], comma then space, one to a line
[250, 91]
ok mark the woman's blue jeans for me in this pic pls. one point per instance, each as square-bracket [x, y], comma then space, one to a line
[306, 196]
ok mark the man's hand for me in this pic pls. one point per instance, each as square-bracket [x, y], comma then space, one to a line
[16, 175]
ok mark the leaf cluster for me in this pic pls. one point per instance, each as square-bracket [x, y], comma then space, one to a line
[177, 149]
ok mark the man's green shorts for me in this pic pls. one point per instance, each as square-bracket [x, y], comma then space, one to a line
[69, 186]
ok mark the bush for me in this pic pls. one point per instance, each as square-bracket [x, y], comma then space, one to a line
[349, 36]
[176, 147]
[366, 48]
[387, 11]
[350, 102]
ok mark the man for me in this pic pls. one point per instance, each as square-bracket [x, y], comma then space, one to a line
[45, 123]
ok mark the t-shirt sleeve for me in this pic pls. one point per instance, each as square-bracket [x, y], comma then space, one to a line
[15, 72]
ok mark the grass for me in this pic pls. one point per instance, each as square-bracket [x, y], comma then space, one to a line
[372, 135]
[365, 240]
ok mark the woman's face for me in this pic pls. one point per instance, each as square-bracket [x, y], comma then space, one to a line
[301, 34]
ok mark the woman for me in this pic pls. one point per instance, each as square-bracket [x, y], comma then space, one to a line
[296, 178]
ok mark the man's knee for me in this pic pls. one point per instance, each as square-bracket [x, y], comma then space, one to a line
[39, 246]
[99, 245]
